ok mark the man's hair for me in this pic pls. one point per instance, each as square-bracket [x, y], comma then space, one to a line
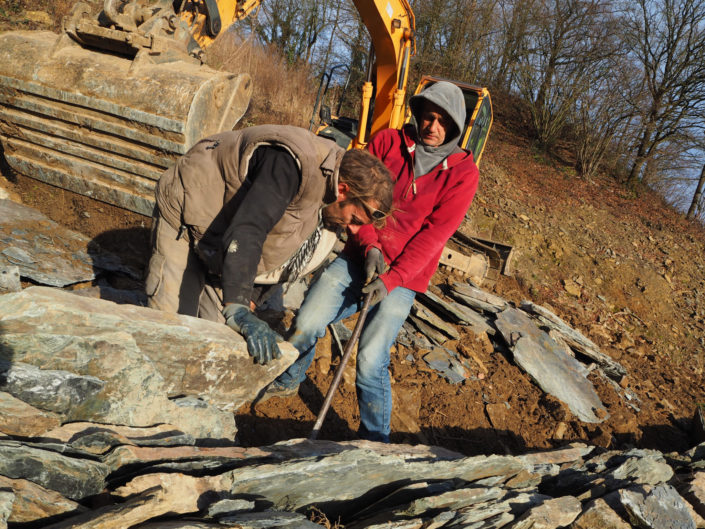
[368, 179]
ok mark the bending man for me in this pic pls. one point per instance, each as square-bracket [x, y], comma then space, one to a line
[242, 211]
[435, 182]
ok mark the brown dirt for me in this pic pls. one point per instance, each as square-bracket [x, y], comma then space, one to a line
[635, 269]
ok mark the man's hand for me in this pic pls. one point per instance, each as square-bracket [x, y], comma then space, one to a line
[378, 290]
[374, 264]
[261, 339]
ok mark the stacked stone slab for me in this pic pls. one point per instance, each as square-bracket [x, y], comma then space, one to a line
[147, 477]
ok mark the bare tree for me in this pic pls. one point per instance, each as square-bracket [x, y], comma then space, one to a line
[510, 39]
[569, 40]
[667, 39]
[453, 36]
[696, 204]
[294, 27]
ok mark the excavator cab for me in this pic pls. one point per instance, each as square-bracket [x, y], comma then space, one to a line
[334, 126]
[478, 116]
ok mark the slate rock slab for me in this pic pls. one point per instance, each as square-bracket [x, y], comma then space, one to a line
[47, 389]
[660, 507]
[145, 359]
[22, 420]
[48, 253]
[556, 372]
[575, 339]
[34, 502]
[360, 470]
[72, 477]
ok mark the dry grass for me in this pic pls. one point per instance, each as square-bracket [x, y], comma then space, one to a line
[34, 14]
[283, 94]
[317, 516]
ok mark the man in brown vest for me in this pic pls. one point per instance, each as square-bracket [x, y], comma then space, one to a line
[245, 210]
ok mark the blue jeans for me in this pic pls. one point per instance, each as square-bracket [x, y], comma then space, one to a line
[334, 296]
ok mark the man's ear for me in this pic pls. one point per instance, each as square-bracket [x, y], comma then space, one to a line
[343, 190]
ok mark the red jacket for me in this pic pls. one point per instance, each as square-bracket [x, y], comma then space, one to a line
[427, 211]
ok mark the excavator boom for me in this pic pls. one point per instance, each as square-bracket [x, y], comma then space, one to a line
[391, 26]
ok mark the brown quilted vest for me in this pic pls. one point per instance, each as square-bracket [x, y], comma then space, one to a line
[198, 191]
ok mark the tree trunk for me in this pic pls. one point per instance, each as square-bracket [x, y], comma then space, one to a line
[641, 155]
[696, 197]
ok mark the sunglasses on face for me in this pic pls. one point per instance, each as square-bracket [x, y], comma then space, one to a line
[371, 212]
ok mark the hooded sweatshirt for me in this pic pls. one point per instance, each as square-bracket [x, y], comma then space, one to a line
[450, 98]
[429, 207]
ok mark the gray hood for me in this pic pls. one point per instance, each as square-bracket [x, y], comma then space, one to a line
[450, 98]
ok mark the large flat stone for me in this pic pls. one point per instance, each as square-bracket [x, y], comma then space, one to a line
[33, 502]
[370, 470]
[72, 477]
[48, 253]
[660, 507]
[556, 372]
[146, 360]
[575, 339]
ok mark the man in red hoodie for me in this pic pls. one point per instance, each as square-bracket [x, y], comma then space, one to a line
[435, 181]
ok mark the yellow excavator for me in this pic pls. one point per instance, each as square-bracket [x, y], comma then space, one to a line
[391, 26]
[105, 107]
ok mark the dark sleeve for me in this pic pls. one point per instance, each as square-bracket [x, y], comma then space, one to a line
[272, 182]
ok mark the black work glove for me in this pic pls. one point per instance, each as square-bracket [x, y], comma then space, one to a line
[261, 339]
[374, 264]
[379, 291]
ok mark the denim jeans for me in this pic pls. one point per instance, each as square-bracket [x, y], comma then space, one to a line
[334, 296]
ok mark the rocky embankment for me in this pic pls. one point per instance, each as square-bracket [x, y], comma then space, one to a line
[101, 476]
[119, 416]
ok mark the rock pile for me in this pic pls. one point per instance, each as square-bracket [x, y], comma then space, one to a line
[86, 475]
[117, 416]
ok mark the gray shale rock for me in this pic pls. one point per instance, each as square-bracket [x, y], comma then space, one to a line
[660, 507]
[47, 389]
[33, 502]
[368, 470]
[362, 485]
[72, 477]
[48, 253]
[141, 362]
[556, 372]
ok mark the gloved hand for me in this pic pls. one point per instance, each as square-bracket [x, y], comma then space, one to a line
[261, 339]
[374, 264]
[379, 291]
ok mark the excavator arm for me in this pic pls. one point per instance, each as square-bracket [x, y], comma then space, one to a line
[207, 18]
[391, 26]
